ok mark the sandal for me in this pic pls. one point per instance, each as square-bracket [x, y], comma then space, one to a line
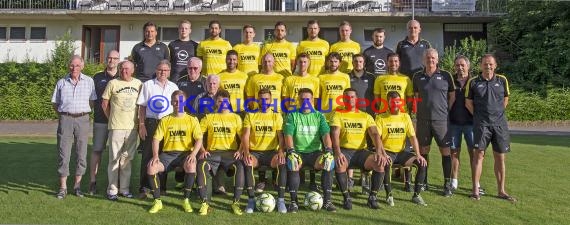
[508, 198]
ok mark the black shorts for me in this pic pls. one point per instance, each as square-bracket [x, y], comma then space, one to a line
[263, 157]
[356, 158]
[426, 129]
[309, 159]
[497, 136]
[400, 157]
[171, 160]
[222, 160]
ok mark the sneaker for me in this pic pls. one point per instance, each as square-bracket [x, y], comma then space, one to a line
[92, 188]
[373, 202]
[220, 190]
[186, 205]
[78, 193]
[157, 206]
[347, 204]
[126, 195]
[250, 205]
[281, 205]
[113, 197]
[61, 193]
[481, 191]
[236, 209]
[447, 190]
[418, 200]
[329, 206]
[293, 208]
[390, 200]
[204, 209]
[408, 187]
[350, 184]
[314, 187]
[259, 187]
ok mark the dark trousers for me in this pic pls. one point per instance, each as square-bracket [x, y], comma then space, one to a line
[150, 125]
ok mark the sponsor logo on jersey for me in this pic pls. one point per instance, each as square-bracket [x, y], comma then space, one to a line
[264, 128]
[214, 51]
[280, 55]
[174, 133]
[268, 86]
[334, 87]
[396, 130]
[247, 57]
[222, 130]
[353, 125]
[314, 52]
[232, 86]
[392, 87]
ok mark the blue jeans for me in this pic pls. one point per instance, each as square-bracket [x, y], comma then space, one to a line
[456, 131]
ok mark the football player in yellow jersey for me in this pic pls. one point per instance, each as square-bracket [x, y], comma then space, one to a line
[316, 48]
[394, 127]
[233, 80]
[345, 47]
[213, 50]
[348, 134]
[223, 128]
[333, 83]
[301, 79]
[262, 139]
[393, 80]
[248, 52]
[266, 79]
[182, 138]
[282, 50]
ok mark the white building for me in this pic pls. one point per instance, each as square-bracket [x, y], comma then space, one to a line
[29, 29]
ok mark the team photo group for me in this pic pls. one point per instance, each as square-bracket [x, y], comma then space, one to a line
[209, 110]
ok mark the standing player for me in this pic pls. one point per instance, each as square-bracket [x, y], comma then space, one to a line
[346, 47]
[392, 81]
[377, 54]
[487, 97]
[266, 79]
[305, 131]
[100, 121]
[394, 127]
[301, 79]
[262, 139]
[436, 90]
[333, 83]
[234, 80]
[248, 52]
[181, 51]
[182, 140]
[348, 134]
[411, 49]
[282, 50]
[147, 54]
[213, 50]
[223, 129]
[316, 48]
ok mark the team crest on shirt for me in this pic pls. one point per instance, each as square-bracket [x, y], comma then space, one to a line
[496, 85]
[439, 78]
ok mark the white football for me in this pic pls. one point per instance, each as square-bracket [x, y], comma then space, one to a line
[313, 201]
[265, 202]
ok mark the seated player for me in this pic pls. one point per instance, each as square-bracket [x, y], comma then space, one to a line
[349, 127]
[304, 130]
[223, 129]
[262, 140]
[394, 126]
[182, 141]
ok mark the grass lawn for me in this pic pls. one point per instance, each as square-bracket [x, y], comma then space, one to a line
[535, 175]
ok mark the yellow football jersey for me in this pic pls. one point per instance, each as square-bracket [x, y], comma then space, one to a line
[332, 86]
[353, 126]
[317, 51]
[394, 129]
[248, 58]
[346, 49]
[179, 133]
[273, 82]
[213, 53]
[392, 82]
[283, 52]
[264, 128]
[293, 83]
[234, 83]
[222, 130]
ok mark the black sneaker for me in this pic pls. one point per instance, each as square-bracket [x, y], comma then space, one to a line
[447, 190]
[93, 188]
[61, 193]
[293, 208]
[373, 202]
[126, 195]
[78, 193]
[329, 206]
[113, 197]
[408, 187]
[347, 204]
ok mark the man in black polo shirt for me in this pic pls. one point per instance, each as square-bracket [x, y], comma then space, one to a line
[147, 54]
[487, 96]
[435, 91]
[100, 127]
[411, 49]
[194, 84]
[181, 51]
[376, 55]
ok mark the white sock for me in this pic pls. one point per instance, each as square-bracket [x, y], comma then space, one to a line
[454, 183]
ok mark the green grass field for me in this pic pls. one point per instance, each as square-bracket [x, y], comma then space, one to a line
[536, 175]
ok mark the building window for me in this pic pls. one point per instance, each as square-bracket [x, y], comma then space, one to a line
[368, 34]
[37, 33]
[268, 34]
[233, 36]
[168, 33]
[17, 33]
[3, 33]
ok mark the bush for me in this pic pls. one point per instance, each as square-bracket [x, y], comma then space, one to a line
[532, 106]
[470, 48]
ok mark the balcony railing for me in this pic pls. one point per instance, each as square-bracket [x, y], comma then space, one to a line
[316, 6]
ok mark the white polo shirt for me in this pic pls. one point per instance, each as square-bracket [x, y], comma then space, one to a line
[155, 98]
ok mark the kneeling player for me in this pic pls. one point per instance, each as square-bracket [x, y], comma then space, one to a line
[394, 127]
[182, 140]
[348, 131]
[262, 140]
[304, 130]
[222, 129]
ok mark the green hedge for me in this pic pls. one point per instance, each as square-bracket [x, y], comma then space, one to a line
[532, 106]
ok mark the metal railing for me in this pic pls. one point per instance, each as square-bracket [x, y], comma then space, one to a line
[35, 4]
